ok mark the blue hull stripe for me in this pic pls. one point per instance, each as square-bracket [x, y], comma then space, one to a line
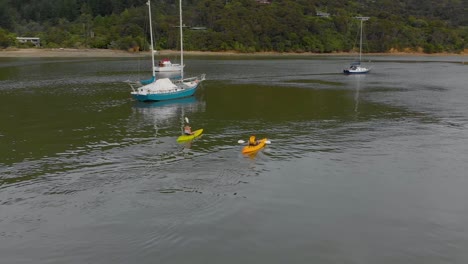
[166, 96]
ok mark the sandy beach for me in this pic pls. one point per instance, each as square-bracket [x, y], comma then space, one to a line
[62, 52]
[96, 53]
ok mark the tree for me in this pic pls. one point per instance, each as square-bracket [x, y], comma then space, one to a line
[7, 39]
[6, 20]
[243, 25]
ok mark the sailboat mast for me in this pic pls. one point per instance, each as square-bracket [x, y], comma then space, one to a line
[151, 37]
[181, 41]
[360, 39]
[360, 44]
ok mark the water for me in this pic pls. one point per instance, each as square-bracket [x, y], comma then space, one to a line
[361, 169]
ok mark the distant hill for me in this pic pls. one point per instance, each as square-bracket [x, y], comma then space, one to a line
[240, 25]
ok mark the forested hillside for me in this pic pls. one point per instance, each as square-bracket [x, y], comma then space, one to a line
[240, 25]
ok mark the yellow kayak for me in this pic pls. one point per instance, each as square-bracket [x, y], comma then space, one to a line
[195, 134]
[250, 149]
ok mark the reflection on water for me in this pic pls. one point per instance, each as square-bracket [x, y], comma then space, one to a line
[86, 172]
[358, 78]
[165, 113]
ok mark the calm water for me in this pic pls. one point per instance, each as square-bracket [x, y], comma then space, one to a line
[361, 169]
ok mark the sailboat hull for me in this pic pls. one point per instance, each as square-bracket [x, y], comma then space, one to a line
[361, 71]
[172, 68]
[356, 68]
[179, 93]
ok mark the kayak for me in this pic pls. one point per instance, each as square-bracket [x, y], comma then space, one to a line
[250, 149]
[195, 134]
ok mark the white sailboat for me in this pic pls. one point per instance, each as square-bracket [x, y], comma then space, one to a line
[164, 88]
[165, 65]
[356, 67]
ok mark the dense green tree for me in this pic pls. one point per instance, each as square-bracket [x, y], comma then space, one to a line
[6, 38]
[6, 19]
[242, 25]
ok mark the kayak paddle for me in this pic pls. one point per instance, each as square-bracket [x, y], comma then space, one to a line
[240, 141]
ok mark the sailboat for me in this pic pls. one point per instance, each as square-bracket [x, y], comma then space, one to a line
[165, 88]
[165, 65]
[356, 67]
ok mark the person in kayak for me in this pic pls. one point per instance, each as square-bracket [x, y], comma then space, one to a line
[252, 141]
[188, 130]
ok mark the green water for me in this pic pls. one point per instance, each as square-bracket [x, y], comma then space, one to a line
[360, 169]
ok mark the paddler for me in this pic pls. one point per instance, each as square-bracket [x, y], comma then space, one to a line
[188, 130]
[252, 141]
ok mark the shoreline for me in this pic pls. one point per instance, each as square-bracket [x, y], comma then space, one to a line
[105, 53]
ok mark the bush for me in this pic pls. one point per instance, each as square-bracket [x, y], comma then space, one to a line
[7, 39]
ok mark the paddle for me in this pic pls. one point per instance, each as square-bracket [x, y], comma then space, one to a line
[240, 141]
